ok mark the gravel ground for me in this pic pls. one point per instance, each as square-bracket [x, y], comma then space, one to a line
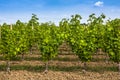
[58, 75]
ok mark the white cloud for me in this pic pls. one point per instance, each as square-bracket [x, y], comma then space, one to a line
[99, 4]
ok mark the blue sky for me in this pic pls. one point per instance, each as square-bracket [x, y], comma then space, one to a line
[55, 10]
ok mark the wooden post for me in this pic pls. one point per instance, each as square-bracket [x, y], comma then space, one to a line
[46, 67]
[8, 66]
[119, 67]
[8, 61]
[32, 26]
[0, 31]
[84, 67]
[11, 27]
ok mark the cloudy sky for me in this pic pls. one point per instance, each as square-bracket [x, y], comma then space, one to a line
[55, 10]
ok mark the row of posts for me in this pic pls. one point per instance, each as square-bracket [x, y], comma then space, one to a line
[11, 29]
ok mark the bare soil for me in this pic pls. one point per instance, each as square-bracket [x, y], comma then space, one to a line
[63, 67]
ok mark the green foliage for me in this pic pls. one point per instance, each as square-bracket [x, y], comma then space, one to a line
[84, 39]
[77, 36]
[113, 39]
[9, 43]
[49, 41]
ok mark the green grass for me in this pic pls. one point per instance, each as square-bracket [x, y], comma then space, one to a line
[60, 68]
[102, 68]
[73, 68]
[66, 59]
